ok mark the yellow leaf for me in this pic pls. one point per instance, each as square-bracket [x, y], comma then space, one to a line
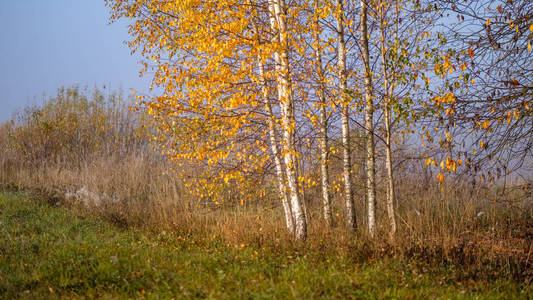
[529, 46]
[440, 178]
[488, 21]
[428, 161]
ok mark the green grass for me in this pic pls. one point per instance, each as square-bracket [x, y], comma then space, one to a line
[52, 252]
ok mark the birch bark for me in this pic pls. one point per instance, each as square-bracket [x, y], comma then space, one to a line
[323, 147]
[289, 220]
[287, 117]
[342, 74]
[369, 125]
[387, 121]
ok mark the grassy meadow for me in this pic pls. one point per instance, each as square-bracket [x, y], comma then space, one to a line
[146, 237]
[55, 252]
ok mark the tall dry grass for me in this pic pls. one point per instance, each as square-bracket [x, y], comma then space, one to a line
[94, 139]
[89, 139]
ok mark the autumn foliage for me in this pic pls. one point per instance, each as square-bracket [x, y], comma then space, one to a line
[257, 91]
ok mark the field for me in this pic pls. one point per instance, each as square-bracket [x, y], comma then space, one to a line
[49, 251]
[279, 150]
[89, 210]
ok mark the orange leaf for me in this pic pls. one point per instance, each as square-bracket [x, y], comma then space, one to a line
[471, 53]
[440, 178]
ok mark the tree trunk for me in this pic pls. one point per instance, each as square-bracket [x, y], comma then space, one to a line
[369, 126]
[342, 74]
[323, 147]
[288, 120]
[387, 121]
[289, 220]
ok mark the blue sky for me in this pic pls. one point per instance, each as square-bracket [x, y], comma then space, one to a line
[46, 44]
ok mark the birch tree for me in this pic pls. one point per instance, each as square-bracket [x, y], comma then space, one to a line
[387, 118]
[345, 116]
[285, 98]
[323, 123]
[273, 135]
[369, 124]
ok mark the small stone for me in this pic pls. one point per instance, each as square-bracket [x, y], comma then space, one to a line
[113, 259]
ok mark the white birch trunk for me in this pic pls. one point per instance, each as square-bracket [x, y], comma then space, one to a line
[342, 73]
[289, 219]
[272, 132]
[369, 125]
[288, 120]
[387, 121]
[323, 147]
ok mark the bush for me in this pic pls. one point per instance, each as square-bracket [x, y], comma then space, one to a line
[87, 139]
